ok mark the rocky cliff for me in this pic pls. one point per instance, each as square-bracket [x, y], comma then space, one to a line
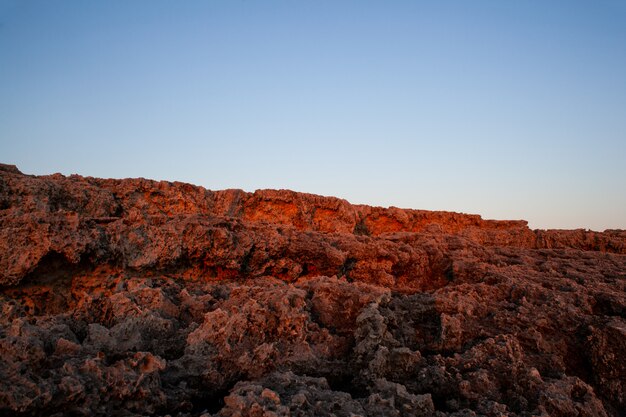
[136, 297]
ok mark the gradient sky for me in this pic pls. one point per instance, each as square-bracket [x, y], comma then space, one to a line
[508, 109]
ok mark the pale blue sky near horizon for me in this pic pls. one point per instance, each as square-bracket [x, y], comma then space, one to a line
[507, 109]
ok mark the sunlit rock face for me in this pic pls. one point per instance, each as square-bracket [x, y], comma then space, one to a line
[136, 297]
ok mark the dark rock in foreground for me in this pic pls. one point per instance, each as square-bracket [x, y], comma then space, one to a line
[135, 297]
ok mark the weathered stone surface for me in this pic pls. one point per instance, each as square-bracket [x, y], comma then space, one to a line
[135, 297]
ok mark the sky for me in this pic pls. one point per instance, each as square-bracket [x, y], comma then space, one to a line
[507, 109]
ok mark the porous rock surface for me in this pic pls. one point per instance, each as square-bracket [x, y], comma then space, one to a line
[136, 297]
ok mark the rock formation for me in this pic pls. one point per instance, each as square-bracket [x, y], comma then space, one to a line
[136, 297]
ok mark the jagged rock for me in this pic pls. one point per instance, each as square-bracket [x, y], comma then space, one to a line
[136, 297]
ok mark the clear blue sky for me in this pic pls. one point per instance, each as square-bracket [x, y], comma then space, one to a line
[509, 109]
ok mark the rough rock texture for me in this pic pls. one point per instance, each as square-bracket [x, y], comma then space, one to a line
[136, 297]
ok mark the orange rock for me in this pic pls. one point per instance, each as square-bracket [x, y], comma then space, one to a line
[122, 297]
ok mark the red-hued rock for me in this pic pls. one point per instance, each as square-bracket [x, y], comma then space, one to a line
[136, 297]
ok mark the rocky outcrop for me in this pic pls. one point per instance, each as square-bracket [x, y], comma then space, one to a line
[136, 297]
